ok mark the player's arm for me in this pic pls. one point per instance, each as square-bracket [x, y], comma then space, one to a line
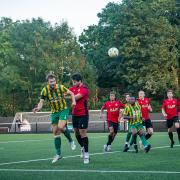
[39, 106]
[163, 110]
[68, 92]
[150, 108]
[102, 109]
[43, 96]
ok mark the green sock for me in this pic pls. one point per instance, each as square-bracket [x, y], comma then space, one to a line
[128, 136]
[68, 135]
[133, 140]
[57, 143]
[143, 139]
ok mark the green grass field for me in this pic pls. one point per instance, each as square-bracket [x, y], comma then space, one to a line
[28, 156]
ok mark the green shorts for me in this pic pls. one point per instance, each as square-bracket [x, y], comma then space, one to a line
[59, 116]
[137, 126]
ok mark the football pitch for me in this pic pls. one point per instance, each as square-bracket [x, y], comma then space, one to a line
[28, 156]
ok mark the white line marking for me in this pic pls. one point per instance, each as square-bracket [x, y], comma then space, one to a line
[91, 171]
[73, 156]
[22, 141]
[40, 140]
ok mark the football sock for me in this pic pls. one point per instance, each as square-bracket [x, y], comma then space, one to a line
[57, 143]
[143, 139]
[85, 143]
[171, 136]
[128, 136]
[68, 135]
[79, 139]
[178, 132]
[148, 136]
[110, 140]
[133, 140]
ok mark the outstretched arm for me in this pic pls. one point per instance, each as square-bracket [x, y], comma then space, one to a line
[39, 106]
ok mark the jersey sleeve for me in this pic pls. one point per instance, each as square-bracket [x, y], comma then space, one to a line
[64, 89]
[104, 106]
[43, 94]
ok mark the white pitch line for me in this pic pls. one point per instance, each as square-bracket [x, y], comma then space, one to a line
[91, 171]
[22, 141]
[41, 140]
[73, 156]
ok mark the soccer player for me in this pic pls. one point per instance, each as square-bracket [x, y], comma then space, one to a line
[144, 102]
[132, 112]
[113, 110]
[170, 112]
[129, 134]
[54, 94]
[80, 115]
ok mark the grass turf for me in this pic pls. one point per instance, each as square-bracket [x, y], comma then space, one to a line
[24, 147]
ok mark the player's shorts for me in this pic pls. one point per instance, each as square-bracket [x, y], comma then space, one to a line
[80, 122]
[114, 125]
[147, 123]
[170, 122]
[137, 126]
[59, 116]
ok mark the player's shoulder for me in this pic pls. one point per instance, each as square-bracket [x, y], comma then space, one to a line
[44, 88]
[84, 87]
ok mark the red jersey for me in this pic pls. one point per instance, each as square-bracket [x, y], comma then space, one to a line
[113, 109]
[171, 107]
[144, 103]
[81, 107]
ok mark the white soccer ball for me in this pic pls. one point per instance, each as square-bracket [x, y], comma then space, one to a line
[113, 52]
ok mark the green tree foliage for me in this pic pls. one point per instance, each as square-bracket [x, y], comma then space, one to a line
[146, 32]
[28, 51]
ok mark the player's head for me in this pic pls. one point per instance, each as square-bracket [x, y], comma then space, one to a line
[132, 100]
[112, 96]
[76, 79]
[141, 94]
[51, 80]
[170, 94]
[127, 97]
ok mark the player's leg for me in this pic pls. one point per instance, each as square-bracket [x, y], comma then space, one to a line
[134, 134]
[75, 122]
[128, 136]
[62, 125]
[64, 116]
[107, 146]
[149, 128]
[57, 139]
[177, 126]
[170, 131]
[83, 125]
[141, 134]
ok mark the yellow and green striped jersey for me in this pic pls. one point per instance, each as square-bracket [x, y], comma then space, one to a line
[131, 111]
[55, 97]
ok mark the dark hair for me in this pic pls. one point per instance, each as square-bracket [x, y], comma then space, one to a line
[76, 77]
[50, 76]
[169, 90]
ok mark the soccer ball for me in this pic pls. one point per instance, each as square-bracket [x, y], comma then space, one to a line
[113, 52]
